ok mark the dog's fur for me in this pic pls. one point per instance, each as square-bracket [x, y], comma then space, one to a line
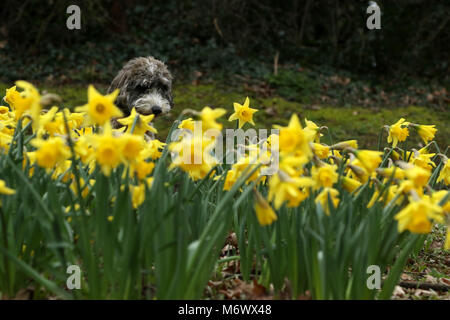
[145, 83]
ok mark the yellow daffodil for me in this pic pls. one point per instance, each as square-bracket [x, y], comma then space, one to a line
[294, 139]
[264, 211]
[417, 175]
[345, 144]
[322, 198]
[388, 172]
[83, 149]
[193, 156]
[152, 149]
[137, 195]
[423, 160]
[4, 189]
[246, 163]
[438, 196]
[100, 109]
[314, 129]
[132, 146]
[108, 150]
[324, 175]
[12, 95]
[416, 216]
[444, 175]
[209, 116]
[143, 168]
[243, 113]
[349, 184]
[370, 160]
[51, 152]
[28, 103]
[391, 193]
[187, 124]
[230, 179]
[321, 150]
[142, 123]
[426, 132]
[397, 133]
[83, 186]
[283, 188]
[62, 171]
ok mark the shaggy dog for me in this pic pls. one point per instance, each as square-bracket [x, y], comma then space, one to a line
[145, 83]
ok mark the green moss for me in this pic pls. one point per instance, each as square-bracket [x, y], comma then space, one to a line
[359, 123]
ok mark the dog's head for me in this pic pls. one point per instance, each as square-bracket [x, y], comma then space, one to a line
[145, 84]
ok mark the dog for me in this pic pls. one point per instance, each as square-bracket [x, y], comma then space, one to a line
[145, 83]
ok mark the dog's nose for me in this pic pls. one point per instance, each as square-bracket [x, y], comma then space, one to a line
[156, 110]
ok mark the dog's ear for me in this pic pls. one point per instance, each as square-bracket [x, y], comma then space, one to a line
[122, 99]
[122, 103]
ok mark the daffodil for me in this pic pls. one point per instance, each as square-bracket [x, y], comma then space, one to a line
[345, 144]
[243, 113]
[5, 141]
[62, 171]
[397, 133]
[358, 171]
[187, 124]
[438, 196]
[143, 168]
[447, 239]
[314, 129]
[192, 155]
[142, 123]
[137, 195]
[398, 173]
[323, 196]
[28, 103]
[349, 184]
[83, 149]
[369, 159]
[152, 149]
[4, 189]
[392, 192]
[293, 138]
[324, 175]
[417, 175]
[423, 160]
[50, 152]
[444, 175]
[12, 95]
[416, 216]
[83, 187]
[131, 146]
[264, 211]
[426, 132]
[230, 179]
[321, 150]
[246, 164]
[100, 109]
[283, 188]
[108, 150]
[209, 116]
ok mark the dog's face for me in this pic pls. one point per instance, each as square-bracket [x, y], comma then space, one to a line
[145, 84]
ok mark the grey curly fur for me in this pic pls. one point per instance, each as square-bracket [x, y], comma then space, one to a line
[145, 83]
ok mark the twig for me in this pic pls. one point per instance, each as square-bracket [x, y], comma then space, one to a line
[424, 286]
[275, 63]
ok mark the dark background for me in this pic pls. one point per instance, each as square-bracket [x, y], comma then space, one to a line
[223, 37]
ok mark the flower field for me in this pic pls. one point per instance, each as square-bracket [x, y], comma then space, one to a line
[146, 219]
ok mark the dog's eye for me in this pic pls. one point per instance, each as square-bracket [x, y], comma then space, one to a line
[163, 86]
[142, 87]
